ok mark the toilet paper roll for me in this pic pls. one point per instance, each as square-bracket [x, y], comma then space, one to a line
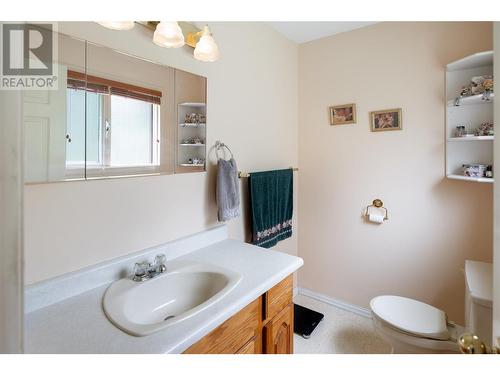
[376, 218]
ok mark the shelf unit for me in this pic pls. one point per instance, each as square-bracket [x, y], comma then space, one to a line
[191, 165]
[185, 131]
[471, 112]
[474, 99]
[188, 125]
[469, 139]
[472, 179]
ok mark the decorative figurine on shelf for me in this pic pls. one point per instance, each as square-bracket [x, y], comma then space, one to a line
[190, 118]
[466, 91]
[489, 171]
[478, 85]
[196, 141]
[194, 118]
[474, 170]
[488, 84]
[486, 128]
[197, 161]
[460, 131]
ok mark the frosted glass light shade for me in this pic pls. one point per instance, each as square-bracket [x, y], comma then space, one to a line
[117, 25]
[169, 35]
[206, 49]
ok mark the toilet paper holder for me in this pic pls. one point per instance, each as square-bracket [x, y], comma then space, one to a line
[378, 204]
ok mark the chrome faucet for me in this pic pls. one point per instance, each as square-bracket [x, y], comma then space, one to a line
[144, 270]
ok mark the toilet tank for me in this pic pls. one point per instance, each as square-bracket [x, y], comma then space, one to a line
[479, 299]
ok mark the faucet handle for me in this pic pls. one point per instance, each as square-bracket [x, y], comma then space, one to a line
[159, 264]
[141, 271]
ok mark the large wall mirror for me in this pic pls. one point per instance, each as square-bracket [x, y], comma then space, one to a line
[113, 115]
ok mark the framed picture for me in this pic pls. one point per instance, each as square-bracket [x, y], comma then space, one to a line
[343, 114]
[388, 119]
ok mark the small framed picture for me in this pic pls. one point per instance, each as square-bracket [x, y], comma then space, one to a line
[387, 119]
[343, 114]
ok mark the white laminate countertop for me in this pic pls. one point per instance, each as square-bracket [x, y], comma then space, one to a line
[79, 325]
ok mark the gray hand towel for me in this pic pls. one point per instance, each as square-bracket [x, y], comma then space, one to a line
[228, 189]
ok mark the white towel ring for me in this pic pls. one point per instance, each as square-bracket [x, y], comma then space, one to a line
[219, 146]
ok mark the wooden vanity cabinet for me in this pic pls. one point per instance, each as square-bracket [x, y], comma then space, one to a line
[264, 326]
[279, 333]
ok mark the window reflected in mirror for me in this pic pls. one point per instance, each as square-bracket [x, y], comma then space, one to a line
[123, 126]
[130, 115]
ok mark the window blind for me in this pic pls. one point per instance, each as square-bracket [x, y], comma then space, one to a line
[81, 81]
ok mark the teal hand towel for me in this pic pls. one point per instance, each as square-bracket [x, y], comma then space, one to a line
[271, 196]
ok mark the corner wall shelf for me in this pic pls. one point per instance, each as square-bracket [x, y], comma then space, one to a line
[471, 112]
[474, 99]
[191, 165]
[472, 179]
[200, 105]
[190, 135]
[474, 138]
[192, 125]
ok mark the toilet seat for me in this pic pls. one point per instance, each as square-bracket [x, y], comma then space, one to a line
[411, 316]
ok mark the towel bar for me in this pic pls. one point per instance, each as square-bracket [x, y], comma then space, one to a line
[247, 174]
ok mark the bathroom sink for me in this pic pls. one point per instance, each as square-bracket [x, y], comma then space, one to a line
[142, 308]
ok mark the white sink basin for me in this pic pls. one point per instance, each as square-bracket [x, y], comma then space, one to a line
[142, 308]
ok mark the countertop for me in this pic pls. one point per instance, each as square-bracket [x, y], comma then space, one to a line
[79, 325]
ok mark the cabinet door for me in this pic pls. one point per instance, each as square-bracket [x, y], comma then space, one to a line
[279, 333]
[254, 346]
[277, 298]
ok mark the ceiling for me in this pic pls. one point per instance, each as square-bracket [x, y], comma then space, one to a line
[301, 32]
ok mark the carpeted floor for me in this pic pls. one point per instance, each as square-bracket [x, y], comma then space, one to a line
[339, 332]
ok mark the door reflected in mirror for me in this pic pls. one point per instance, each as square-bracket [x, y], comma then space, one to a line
[54, 122]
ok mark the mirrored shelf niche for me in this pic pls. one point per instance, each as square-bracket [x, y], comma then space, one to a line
[191, 122]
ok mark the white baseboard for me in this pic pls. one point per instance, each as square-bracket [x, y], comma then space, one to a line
[335, 302]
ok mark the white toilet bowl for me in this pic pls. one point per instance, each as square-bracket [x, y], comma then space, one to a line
[410, 326]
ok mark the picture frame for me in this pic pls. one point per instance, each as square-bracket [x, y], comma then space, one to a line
[386, 119]
[343, 114]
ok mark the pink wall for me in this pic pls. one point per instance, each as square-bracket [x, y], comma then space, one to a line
[435, 224]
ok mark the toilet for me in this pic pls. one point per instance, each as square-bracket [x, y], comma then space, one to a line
[411, 326]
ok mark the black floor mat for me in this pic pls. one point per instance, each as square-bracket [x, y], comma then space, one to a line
[305, 320]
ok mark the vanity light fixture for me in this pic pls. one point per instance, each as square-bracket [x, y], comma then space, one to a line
[168, 34]
[206, 49]
[117, 25]
[171, 35]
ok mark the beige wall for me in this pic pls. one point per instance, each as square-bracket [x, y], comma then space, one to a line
[435, 224]
[252, 106]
